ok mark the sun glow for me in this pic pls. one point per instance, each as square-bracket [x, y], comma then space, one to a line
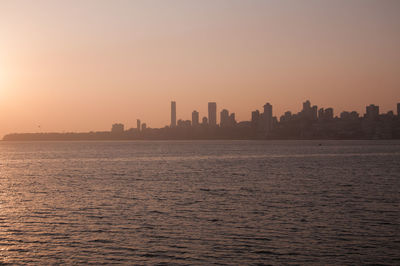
[2, 74]
[2, 79]
[3, 83]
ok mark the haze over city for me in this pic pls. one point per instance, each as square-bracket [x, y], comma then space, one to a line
[83, 65]
[166, 132]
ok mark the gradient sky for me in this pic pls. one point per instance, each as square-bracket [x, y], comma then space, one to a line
[82, 65]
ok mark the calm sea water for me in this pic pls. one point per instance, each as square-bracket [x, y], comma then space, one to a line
[200, 202]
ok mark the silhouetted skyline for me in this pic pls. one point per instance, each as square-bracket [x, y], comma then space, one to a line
[200, 132]
[80, 66]
[309, 123]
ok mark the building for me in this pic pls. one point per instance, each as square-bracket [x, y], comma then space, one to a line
[144, 126]
[232, 119]
[308, 112]
[345, 115]
[354, 115]
[195, 118]
[267, 117]
[224, 118]
[314, 113]
[138, 124]
[398, 109]
[349, 115]
[287, 116]
[306, 106]
[184, 123]
[117, 128]
[328, 114]
[390, 114]
[372, 112]
[255, 116]
[204, 121]
[321, 114]
[255, 119]
[173, 114]
[212, 114]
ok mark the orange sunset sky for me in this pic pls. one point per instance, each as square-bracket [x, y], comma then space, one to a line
[83, 65]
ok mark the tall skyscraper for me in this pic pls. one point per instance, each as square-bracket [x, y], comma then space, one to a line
[255, 115]
[195, 118]
[398, 109]
[224, 118]
[306, 106]
[138, 124]
[268, 117]
[372, 111]
[173, 114]
[212, 113]
[232, 119]
[255, 120]
[308, 112]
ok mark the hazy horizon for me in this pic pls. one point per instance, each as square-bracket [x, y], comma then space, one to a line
[83, 65]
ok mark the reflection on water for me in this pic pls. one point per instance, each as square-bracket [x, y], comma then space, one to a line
[201, 202]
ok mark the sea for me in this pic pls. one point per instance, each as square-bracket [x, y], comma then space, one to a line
[200, 203]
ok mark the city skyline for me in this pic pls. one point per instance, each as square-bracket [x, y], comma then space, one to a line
[313, 112]
[187, 132]
[80, 66]
[175, 115]
[263, 123]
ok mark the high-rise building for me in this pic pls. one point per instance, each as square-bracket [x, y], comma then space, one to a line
[195, 118]
[354, 115]
[267, 117]
[255, 115]
[173, 114]
[138, 124]
[345, 115]
[308, 112]
[372, 111]
[306, 106]
[314, 112]
[328, 114]
[184, 123]
[212, 113]
[232, 119]
[321, 114]
[255, 119]
[224, 118]
[286, 117]
[117, 128]
[204, 121]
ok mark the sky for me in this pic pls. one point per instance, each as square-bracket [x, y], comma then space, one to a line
[83, 65]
